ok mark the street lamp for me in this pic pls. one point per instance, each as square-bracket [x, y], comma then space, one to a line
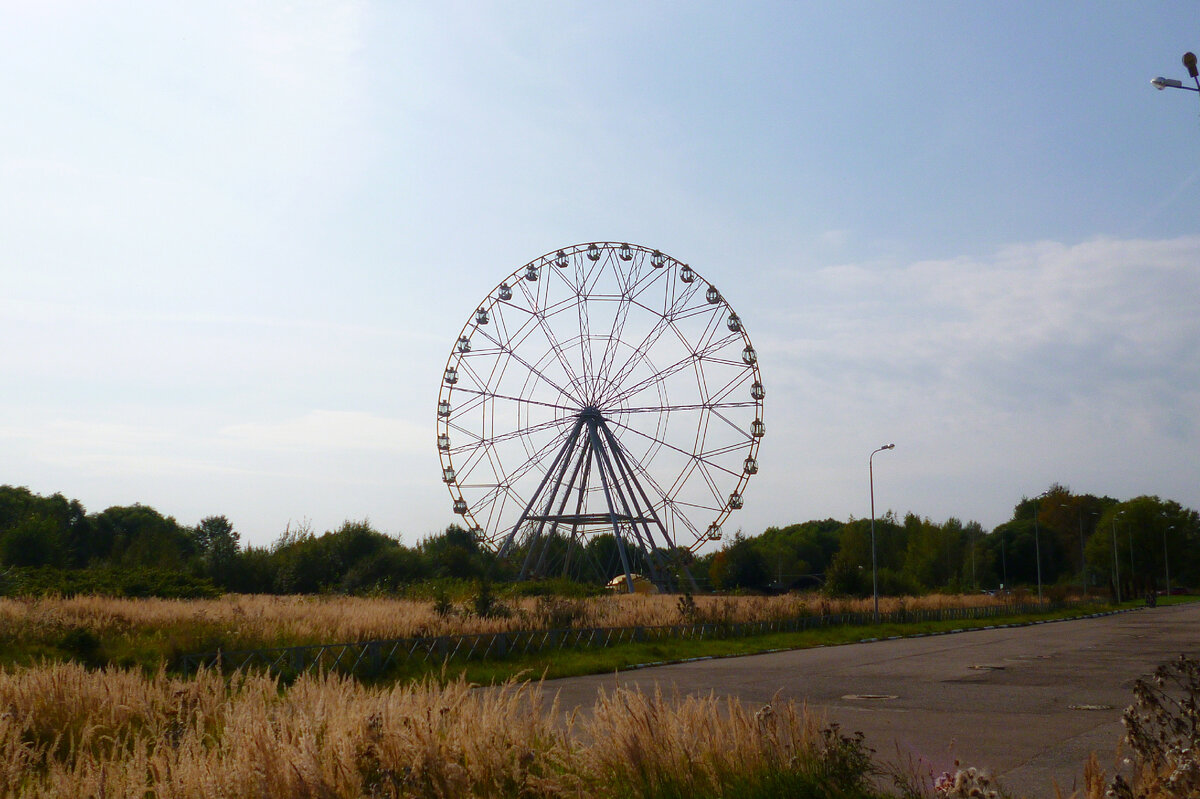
[1166, 559]
[874, 566]
[1037, 546]
[1116, 562]
[1189, 61]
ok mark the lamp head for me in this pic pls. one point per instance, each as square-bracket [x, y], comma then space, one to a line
[1161, 83]
[1189, 61]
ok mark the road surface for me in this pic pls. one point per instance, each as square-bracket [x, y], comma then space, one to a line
[1027, 703]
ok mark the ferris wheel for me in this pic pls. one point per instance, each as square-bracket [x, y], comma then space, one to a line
[601, 389]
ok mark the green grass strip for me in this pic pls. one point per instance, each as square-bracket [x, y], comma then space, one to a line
[623, 657]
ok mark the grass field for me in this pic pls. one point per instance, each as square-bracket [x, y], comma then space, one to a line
[148, 632]
[119, 733]
[70, 730]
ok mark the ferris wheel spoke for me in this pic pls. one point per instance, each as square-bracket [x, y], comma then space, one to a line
[540, 313]
[506, 478]
[522, 400]
[501, 437]
[509, 338]
[614, 340]
[695, 456]
[683, 363]
[699, 406]
[511, 353]
[642, 350]
[585, 346]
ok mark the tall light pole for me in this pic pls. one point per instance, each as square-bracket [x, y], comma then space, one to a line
[1132, 568]
[1116, 561]
[1189, 61]
[1037, 546]
[874, 564]
[1166, 559]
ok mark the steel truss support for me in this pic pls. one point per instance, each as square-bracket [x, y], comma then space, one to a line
[594, 459]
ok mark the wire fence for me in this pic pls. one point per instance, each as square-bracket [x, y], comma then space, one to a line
[377, 658]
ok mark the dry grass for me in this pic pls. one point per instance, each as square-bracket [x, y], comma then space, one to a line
[65, 731]
[245, 621]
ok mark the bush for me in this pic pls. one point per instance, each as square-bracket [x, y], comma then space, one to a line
[144, 582]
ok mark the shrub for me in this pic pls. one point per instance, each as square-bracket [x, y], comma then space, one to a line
[1162, 727]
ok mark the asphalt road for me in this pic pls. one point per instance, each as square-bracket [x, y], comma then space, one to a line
[1027, 703]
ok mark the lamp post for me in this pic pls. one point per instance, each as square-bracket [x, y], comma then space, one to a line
[1116, 562]
[1037, 546]
[1166, 559]
[1189, 61]
[874, 565]
[1132, 566]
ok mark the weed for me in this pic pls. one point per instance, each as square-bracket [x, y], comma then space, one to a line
[688, 612]
[1162, 728]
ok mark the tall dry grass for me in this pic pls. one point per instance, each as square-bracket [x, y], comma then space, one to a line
[249, 621]
[65, 731]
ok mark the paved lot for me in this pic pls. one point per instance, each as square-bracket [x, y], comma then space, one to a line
[1028, 703]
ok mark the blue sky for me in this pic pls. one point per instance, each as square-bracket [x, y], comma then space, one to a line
[237, 241]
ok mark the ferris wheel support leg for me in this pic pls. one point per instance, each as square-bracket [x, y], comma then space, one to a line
[632, 512]
[612, 511]
[665, 582]
[564, 457]
[562, 506]
[508, 542]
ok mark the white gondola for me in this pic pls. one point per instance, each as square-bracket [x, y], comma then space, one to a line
[626, 252]
[531, 273]
[749, 356]
[451, 375]
[758, 429]
[750, 466]
[505, 292]
[460, 506]
[560, 260]
[593, 252]
[735, 501]
[714, 532]
[444, 408]
[687, 274]
[734, 323]
[464, 344]
[756, 391]
[481, 316]
[712, 295]
[448, 474]
[443, 442]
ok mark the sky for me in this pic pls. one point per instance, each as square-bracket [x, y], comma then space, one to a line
[238, 240]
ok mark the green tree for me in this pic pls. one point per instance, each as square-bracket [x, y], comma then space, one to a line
[33, 541]
[139, 536]
[455, 553]
[742, 566]
[217, 543]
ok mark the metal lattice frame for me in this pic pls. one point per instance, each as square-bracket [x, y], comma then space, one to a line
[601, 388]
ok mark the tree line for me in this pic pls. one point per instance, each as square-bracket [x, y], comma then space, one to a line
[51, 543]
